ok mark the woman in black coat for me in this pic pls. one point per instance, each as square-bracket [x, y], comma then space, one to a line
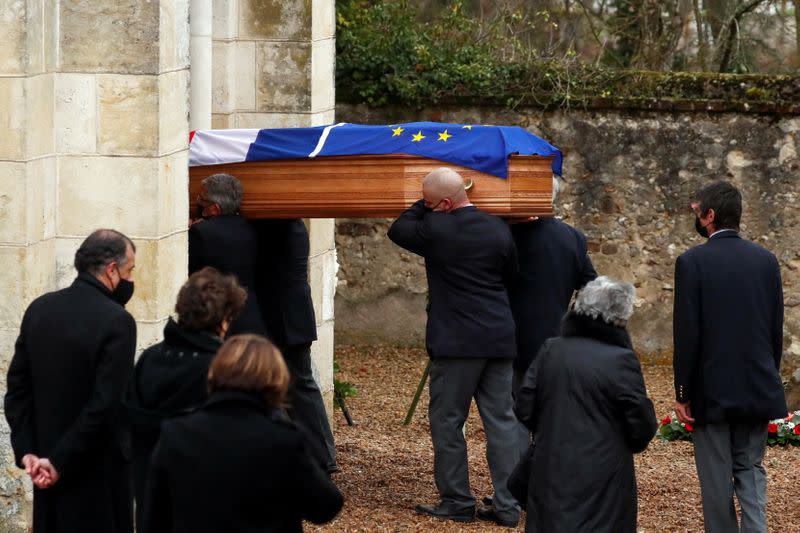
[170, 377]
[237, 464]
[584, 399]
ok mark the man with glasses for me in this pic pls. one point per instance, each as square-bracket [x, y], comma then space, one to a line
[222, 238]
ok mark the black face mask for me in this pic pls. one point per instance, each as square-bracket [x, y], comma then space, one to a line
[123, 292]
[701, 230]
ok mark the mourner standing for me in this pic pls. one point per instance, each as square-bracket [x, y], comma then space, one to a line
[170, 377]
[237, 463]
[71, 363]
[584, 399]
[728, 342]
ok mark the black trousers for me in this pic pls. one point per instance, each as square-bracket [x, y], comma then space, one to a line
[306, 407]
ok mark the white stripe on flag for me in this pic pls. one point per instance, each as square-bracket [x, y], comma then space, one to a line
[323, 138]
[215, 147]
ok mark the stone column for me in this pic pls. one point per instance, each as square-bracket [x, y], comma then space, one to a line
[200, 14]
[273, 67]
[94, 134]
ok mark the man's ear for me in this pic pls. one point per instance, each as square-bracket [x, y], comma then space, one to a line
[711, 215]
[109, 268]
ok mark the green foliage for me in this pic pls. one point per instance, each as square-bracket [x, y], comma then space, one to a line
[342, 389]
[672, 429]
[387, 56]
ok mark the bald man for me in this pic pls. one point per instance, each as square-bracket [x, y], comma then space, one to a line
[470, 260]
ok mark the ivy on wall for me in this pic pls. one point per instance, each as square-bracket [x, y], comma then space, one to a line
[387, 56]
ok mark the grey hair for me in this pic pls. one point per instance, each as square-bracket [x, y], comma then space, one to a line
[606, 299]
[224, 190]
[447, 183]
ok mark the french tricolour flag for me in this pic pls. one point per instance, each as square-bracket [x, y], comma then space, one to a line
[483, 148]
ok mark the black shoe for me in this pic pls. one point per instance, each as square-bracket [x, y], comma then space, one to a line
[332, 469]
[446, 513]
[488, 501]
[488, 514]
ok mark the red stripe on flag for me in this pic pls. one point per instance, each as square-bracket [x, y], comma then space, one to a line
[191, 136]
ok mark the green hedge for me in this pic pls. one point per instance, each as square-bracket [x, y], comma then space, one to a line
[386, 56]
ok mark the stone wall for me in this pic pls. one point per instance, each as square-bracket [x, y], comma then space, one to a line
[628, 177]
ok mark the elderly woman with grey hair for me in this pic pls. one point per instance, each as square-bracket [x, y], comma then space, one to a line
[584, 399]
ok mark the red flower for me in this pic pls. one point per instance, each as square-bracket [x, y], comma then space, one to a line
[689, 428]
[666, 420]
[772, 427]
[797, 430]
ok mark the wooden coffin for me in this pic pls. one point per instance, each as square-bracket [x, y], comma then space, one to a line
[372, 186]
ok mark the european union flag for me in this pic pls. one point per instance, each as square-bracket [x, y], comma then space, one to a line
[483, 148]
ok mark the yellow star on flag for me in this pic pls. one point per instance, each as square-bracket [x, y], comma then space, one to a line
[397, 131]
[443, 136]
[417, 137]
[466, 127]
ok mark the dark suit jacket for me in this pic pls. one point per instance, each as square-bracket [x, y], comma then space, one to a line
[229, 244]
[283, 289]
[553, 264]
[728, 331]
[71, 364]
[470, 260]
[235, 466]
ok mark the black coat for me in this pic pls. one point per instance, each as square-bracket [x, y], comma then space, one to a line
[235, 466]
[584, 399]
[470, 261]
[553, 264]
[728, 331]
[283, 289]
[169, 378]
[71, 364]
[230, 244]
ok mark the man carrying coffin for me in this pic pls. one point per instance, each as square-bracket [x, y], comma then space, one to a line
[288, 311]
[553, 264]
[222, 238]
[470, 260]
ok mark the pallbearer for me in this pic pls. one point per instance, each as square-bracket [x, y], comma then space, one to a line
[470, 260]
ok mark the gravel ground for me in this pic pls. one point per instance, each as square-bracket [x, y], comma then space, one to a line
[387, 468]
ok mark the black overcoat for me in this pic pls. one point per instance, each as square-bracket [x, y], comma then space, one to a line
[170, 378]
[71, 364]
[470, 262]
[553, 264]
[584, 399]
[230, 244]
[235, 466]
[728, 331]
[283, 289]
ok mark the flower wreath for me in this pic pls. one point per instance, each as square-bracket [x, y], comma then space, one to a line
[782, 431]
